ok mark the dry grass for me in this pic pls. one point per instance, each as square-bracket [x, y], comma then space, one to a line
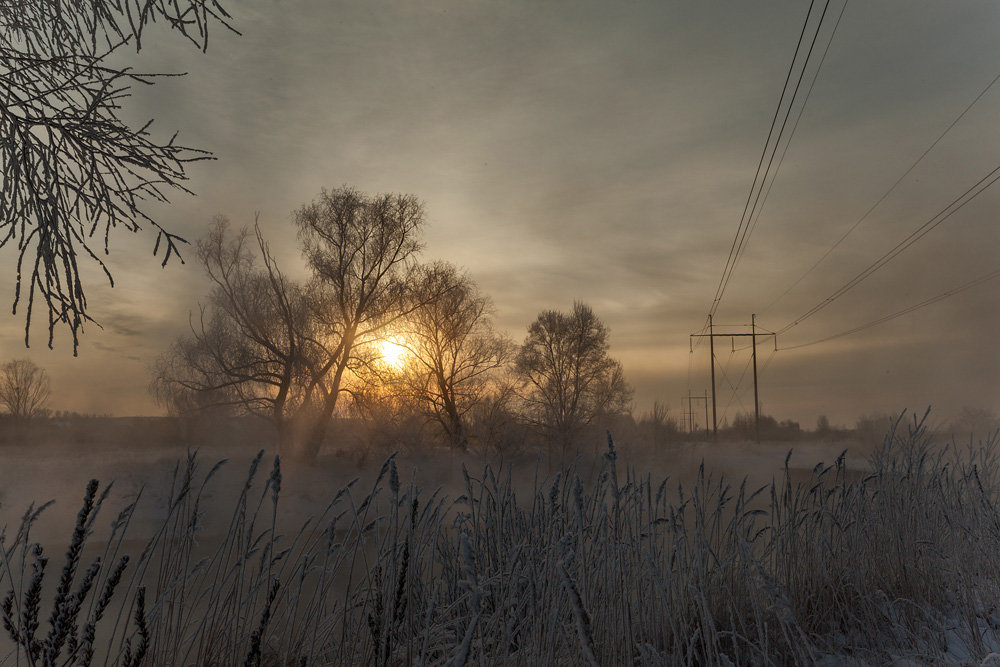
[901, 561]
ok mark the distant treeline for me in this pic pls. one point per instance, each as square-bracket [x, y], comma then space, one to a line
[359, 437]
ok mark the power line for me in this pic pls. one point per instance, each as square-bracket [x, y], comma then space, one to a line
[753, 334]
[763, 332]
[956, 205]
[885, 195]
[746, 367]
[767, 362]
[734, 394]
[905, 311]
[696, 342]
[739, 383]
[759, 201]
[730, 263]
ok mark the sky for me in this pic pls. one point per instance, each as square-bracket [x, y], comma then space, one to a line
[601, 152]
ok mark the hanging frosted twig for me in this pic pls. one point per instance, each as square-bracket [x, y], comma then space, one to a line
[73, 171]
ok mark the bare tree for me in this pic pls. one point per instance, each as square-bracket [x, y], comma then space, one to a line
[658, 425]
[454, 349]
[568, 377]
[245, 350]
[24, 389]
[495, 421]
[73, 171]
[268, 346]
[361, 250]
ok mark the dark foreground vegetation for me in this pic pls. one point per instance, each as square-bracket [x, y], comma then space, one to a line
[609, 567]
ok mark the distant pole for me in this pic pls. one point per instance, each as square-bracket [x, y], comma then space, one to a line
[690, 414]
[711, 350]
[756, 397]
[711, 335]
[706, 414]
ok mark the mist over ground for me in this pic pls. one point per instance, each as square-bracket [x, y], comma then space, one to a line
[416, 519]
[55, 459]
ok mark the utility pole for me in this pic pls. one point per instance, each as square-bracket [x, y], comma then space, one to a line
[689, 415]
[705, 398]
[711, 349]
[756, 396]
[711, 335]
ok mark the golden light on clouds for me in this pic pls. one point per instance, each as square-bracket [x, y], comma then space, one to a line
[592, 115]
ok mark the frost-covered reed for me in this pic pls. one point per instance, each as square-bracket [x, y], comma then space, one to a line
[903, 560]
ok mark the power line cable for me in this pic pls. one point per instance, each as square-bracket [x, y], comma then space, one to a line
[760, 163]
[885, 195]
[767, 362]
[905, 311]
[735, 393]
[746, 367]
[739, 382]
[795, 126]
[956, 205]
[758, 201]
[698, 339]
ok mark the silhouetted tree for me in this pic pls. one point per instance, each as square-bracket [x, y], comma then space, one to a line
[268, 346]
[361, 250]
[658, 425]
[453, 349]
[872, 429]
[496, 421]
[246, 348]
[24, 389]
[823, 425]
[568, 377]
[389, 420]
[976, 424]
[72, 169]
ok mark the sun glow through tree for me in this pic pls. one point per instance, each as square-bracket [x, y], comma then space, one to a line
[392, 353]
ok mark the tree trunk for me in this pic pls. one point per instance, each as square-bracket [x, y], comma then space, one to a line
[313, 433]
[456, 429]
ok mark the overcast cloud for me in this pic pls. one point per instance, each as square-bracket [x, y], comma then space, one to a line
[600, 151]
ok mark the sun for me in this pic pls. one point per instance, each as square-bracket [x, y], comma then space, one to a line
[392, 353]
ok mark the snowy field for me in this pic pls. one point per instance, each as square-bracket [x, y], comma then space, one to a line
[890, 555]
